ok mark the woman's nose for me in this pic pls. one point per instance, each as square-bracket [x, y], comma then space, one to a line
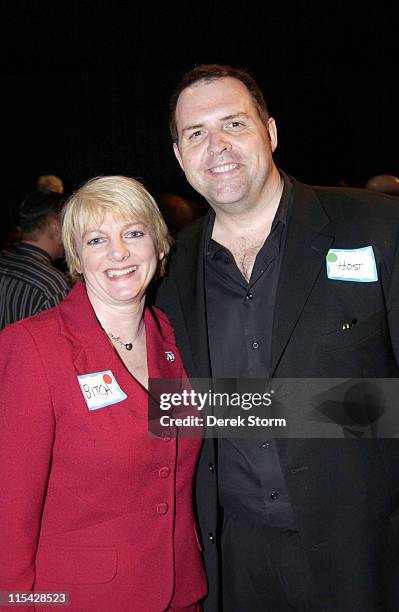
[119, 250]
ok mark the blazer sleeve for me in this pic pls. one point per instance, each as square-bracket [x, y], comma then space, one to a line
[27, 428]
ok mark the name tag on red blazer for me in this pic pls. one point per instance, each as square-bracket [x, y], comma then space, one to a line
[100, 389]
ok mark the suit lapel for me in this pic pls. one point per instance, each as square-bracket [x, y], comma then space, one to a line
[303, 260]
[191, 287]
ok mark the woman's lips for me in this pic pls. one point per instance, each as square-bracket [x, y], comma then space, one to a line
[118, 273]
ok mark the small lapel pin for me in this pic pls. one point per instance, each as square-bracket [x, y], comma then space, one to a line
[349, 325]
[170, 356]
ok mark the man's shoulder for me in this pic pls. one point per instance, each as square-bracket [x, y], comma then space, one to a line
[50, 281]
[188, 243]
[195, 229]
[58, 278]
[351, 197]
[34, 271]
[350, 204]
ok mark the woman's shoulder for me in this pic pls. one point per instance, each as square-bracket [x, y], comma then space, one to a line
[39, 332]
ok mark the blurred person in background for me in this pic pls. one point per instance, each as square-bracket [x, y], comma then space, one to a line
[384, 183]
[50, 182]
[176, 211]
[29, 282]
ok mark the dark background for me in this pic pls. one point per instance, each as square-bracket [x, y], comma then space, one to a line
[85, 87]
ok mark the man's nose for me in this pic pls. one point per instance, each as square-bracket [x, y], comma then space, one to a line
[218, 143]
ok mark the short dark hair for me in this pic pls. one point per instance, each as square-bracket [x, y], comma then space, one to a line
[37, 209]
[211, 72]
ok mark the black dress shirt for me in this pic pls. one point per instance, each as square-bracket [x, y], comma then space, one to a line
[240, 322]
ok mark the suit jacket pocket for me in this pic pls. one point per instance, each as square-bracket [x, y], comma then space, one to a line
[76, 565]
[360, 331]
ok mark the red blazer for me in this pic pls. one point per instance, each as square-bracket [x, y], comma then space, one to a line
[89, 503]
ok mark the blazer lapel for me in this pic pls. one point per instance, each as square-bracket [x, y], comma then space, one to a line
[162, 356]
[91, 350]
[303, 260]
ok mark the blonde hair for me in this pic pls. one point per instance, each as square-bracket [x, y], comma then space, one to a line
[126, 199]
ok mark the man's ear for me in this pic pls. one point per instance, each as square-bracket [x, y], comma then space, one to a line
[54, 229]
[178, 156]
[272, 131]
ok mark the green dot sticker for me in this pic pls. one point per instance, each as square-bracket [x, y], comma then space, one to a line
[331, 257]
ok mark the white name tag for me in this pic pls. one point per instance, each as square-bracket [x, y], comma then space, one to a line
[352, 265]
[100, 389]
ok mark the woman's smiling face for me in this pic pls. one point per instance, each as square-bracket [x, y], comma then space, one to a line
[118, 259]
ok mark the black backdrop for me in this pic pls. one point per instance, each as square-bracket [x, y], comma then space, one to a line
[85, 88]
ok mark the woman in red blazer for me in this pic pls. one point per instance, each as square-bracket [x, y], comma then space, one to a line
[90, 504]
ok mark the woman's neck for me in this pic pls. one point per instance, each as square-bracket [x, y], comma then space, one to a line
[123, 320]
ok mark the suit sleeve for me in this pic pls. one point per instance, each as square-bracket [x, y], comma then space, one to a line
[26, 440]
[392, 300]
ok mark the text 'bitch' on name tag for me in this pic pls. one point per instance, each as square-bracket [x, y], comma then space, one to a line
[100, 389]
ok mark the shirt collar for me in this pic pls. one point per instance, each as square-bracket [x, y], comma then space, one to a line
[35, 250]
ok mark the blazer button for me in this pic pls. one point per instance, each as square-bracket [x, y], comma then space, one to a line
[162, 508]
[212, 468]
[164, 472]
[211, 538]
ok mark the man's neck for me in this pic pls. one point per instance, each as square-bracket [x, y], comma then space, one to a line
[244, 233]
[254, 223]
[40, 244]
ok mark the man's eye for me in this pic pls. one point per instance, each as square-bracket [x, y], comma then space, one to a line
[196, 134]
[235, 124]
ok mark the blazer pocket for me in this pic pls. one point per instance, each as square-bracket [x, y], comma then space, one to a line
[76, 565]
[360, 331]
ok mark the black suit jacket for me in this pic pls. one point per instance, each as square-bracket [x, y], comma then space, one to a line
[345, 492]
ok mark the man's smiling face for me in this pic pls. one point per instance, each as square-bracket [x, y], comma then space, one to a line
[224, 149]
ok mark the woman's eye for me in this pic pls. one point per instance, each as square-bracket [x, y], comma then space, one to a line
[95, 241]
[135, 234]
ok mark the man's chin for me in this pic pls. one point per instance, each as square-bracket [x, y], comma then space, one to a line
[230, 205]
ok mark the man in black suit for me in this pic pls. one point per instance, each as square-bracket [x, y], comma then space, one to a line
[283, 280]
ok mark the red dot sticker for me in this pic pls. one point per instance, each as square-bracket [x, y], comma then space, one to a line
[107, 379]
